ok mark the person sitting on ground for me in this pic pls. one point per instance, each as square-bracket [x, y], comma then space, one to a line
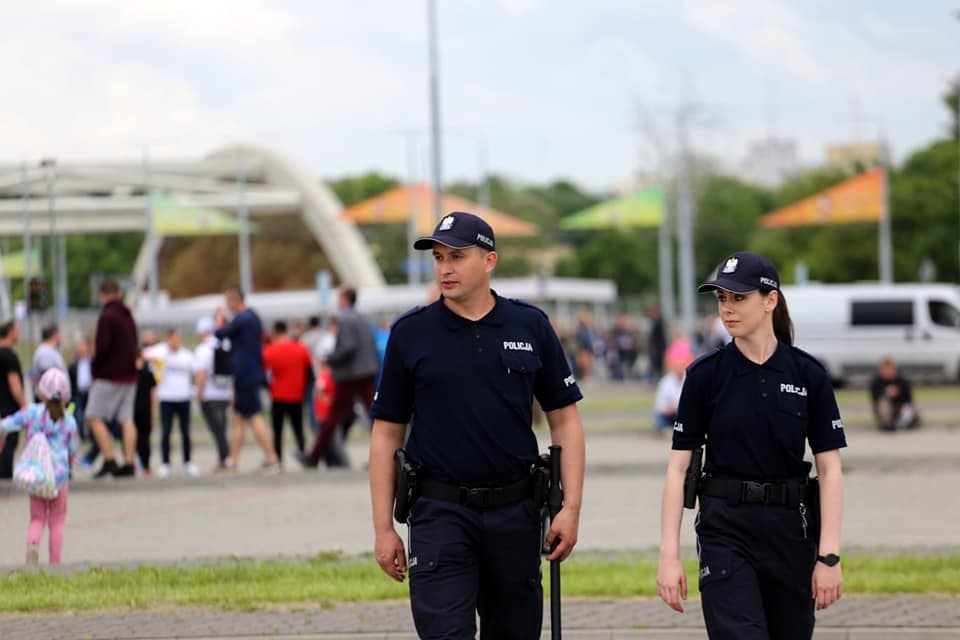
[892, 398]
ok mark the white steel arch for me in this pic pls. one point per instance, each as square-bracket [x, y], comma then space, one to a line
[108, 197]
[320, 209]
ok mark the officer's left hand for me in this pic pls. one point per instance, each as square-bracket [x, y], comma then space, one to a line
[563, 528]
[827, 584]
[390, 554]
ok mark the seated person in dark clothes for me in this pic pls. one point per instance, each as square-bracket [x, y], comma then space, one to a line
[892, 398]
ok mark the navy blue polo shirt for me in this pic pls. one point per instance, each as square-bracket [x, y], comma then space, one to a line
[246, 346]
[757, 418]
[467, 389]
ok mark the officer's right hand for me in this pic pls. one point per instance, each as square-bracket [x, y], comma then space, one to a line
[390, 554]
[672, 582]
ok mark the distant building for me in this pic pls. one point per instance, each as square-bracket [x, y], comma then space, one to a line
[853, 156]
[770, 161]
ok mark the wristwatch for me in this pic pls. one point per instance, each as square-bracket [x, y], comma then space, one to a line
[831, 559]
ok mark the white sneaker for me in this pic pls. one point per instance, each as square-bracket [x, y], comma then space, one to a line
[191, 470]
[163, 471]
[269, 468]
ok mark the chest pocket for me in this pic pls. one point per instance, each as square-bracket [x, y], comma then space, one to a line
[793, 405]
[521, 362]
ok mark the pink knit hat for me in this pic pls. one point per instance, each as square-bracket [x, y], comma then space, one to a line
[54, 385]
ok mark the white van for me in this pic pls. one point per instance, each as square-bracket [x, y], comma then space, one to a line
[850, 327]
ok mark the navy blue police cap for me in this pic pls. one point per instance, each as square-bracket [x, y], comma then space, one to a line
[459, 230]
[744, 272]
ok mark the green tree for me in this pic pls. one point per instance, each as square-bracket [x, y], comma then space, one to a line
[351, 190]
[727, 214]
[924, 204]
[628, 257]
[951, 98]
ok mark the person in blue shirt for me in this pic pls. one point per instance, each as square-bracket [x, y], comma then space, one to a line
[245, 333]
[463, 372]
[767, 557]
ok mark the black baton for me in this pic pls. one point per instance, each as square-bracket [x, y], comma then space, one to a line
[554, 504]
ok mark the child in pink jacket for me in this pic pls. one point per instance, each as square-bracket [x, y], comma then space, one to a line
[49, 417]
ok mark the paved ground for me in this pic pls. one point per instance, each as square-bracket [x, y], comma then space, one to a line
[900, 496]
[853, 617]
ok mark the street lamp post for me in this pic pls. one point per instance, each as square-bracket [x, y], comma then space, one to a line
[435, 128]
[50, 165]
[27, 235]
[243, 216]
[685, 215]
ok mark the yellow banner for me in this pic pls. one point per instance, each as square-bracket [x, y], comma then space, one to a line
[859, 199]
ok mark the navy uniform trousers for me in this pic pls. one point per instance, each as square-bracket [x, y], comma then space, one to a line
[466, 561]
[756, 566]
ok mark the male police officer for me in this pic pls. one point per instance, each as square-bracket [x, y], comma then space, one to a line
[463, 372]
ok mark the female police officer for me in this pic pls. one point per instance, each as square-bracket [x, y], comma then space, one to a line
[755, 403]
[463, 371]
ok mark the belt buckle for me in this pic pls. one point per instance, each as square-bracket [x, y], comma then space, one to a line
[751, 491]
[476, 496]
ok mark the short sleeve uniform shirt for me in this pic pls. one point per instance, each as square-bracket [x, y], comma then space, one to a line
[467, 389]
[757, 418]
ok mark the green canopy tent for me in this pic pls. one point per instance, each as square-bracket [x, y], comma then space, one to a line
[14, 264]
[645, 208]
[174, 218]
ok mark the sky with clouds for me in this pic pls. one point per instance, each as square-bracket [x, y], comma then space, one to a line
[533, 89]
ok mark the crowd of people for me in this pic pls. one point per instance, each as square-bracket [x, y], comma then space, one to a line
[314, 375]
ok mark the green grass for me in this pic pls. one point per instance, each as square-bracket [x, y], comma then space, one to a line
[331, 577]
[634, 575]
[601, 406]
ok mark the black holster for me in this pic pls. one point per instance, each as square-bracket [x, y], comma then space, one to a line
[691, 481]
[405, 485]
[541, 480]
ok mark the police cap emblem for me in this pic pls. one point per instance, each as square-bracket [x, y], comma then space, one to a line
[731, 265]
[446, 224]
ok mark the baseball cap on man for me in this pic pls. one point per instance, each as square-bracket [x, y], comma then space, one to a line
[459, 230]
[743, 272]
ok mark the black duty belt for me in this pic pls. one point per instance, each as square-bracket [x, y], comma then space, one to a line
[482, 497]
[752, 492]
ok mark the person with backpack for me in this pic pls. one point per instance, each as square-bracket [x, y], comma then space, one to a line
[44, 466]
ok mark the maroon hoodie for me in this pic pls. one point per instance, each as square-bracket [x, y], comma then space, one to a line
[115, 351]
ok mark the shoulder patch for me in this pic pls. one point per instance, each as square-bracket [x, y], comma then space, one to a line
[809, 357]
[407, 314]
[524, 303]
[707, 356]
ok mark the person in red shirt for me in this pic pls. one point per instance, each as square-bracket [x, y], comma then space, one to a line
[287, 362]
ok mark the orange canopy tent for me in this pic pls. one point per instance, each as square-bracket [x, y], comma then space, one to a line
[395, 206]
[858, 199]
